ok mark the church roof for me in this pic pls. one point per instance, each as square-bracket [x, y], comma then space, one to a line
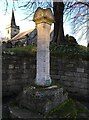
[21, 35]
[32, 34]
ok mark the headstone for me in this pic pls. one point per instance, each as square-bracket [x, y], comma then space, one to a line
[43, 19]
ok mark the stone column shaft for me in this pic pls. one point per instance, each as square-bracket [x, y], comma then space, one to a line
[43, 54]
[43, 19]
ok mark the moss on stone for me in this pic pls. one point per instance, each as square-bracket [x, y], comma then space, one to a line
[41, 88]
[69, 109]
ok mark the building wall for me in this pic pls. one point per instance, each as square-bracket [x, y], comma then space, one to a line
[11, 32]
[8, 33]
[14, 31]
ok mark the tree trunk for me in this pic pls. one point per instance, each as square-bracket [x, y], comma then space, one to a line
[58, 8]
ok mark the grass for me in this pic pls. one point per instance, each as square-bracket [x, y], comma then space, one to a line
[70, 51]
[29, 50]
[64, 51]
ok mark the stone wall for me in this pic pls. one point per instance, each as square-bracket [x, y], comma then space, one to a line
[17, 73]
[72, 74]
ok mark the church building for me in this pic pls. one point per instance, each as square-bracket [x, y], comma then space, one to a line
[14, 35]
[12, 29]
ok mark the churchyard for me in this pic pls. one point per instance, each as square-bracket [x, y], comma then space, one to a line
[46, 80]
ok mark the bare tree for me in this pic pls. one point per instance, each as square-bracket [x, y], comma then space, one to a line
[78, 14]
[58, 8]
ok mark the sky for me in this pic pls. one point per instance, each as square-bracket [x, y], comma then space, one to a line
[20, 15]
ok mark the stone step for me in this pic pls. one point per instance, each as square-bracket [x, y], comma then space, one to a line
[37, 101]
[44, 99]
[16, 112]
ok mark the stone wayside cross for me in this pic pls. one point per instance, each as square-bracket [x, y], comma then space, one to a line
[43, 19]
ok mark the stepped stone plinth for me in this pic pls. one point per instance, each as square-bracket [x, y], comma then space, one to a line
[42, 100]
[39, 100]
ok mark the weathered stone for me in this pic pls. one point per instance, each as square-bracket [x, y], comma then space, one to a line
[68, 73]
[56, 77]
[72, 90]
[84, 80]
[80, 85]
[67, 83]
[43, 19]
[11, 66]
[17, 113]
[42, 100]
[15, 76]
[80, 70]
[84, 92]
[43, 16]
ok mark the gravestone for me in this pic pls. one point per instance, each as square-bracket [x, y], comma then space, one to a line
[43, 19]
